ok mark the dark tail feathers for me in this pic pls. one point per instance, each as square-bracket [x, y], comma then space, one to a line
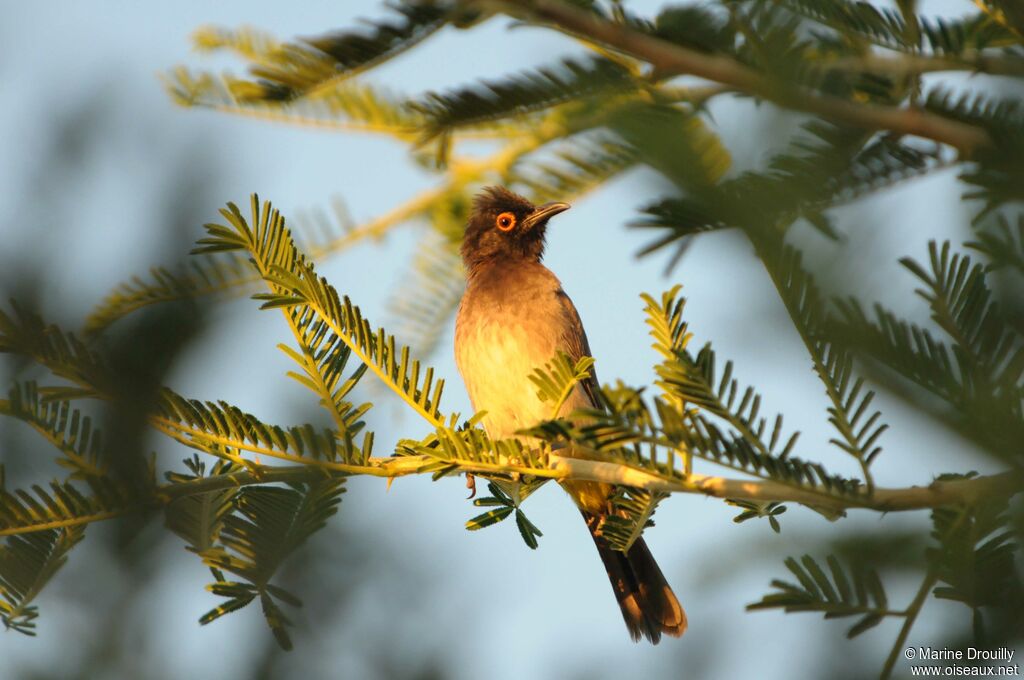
[648, 604]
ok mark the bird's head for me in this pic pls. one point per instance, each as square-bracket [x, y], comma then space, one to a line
[506, 227]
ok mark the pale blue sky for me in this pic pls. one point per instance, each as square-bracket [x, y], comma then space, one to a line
[556, 613]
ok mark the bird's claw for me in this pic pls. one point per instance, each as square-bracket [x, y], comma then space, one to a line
[471, 485]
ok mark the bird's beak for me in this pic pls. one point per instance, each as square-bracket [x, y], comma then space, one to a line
[543, 213]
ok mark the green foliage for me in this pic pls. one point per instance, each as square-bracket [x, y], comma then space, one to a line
[1002, 244]
[201, 277]
[63, 505]
[557, 380]
[974, 556]
[221, 429]
[285, 71]
[315, 309]
[26, 334]
[693, 381]
[430, 295]
[695, 26]
[750, 446]
[850, 402]
[827, 167]
[471, 445]
[851, 591]
[504, 505]
[980, 375]
[27, 563]
[998, 180]
[518, 95]
[199, 518]
[687, 149]
[889, 28]
[265, 526]
[632, 511]
[988, 352]
[582, 165]
[628, 432]
[752, 509]
[66, 428]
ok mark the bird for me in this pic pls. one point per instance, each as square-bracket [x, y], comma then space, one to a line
[514, 317]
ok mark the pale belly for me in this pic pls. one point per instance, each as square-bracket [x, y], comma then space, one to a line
[496, 360]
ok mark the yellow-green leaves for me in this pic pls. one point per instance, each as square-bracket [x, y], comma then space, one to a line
[559, 377]
[323, 322]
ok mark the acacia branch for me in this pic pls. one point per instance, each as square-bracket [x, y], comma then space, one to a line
[671, 59]
[936, 494]
[563, 468]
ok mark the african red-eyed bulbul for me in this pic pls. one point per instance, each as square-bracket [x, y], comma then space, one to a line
[513, 318]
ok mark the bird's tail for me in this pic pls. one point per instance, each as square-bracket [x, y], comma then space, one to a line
[648, 604]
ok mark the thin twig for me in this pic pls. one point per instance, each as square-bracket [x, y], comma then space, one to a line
[911, 616]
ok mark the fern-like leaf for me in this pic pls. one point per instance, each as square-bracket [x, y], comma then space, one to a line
[267, 525]
[521, 94]
[1002, 244]
[578, 167]
[202, 277]
[829, 167]
[27, 563]
[558, 378]
[309, 299]
[888, 27]
[425, 301]
[505, 505]
[471, 446]
[850, 410]
[629, 433]
[286, 71]
[677, 143]
[63, 505]
[26, 334]
[349, 106]
[66, 428]
[198, 518]
[990, 353]
[754, 509]
[914, 353]
[632, 511]
[855, 591]
[973, 554]
[218, 428]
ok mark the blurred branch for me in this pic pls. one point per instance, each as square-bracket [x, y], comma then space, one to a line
[671, 59]
[916, 64]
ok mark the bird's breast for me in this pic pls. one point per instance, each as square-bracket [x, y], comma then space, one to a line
[496, 353]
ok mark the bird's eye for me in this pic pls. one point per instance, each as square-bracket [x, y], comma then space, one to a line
[506, 221]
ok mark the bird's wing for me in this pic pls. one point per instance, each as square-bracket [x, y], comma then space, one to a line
[574, 343]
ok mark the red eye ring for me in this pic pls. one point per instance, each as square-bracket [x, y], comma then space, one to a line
[506, 221]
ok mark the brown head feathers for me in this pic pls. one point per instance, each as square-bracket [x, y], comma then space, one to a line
[505, 227]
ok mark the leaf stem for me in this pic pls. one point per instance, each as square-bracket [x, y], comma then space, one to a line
[911, 616]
